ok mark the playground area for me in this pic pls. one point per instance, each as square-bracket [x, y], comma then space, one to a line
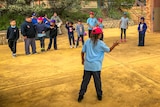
[130, 74]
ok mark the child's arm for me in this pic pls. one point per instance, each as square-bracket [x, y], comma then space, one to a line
[114, 45]
[82, 56]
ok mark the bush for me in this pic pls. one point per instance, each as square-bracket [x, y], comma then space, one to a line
[113, 13]
[5, 19]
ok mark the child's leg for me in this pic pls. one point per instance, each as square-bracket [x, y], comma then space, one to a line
[73, 39]
[10, 44]
[55, 42]
[77, 41]
[89, 33]
[40, 38]
[86, 79]
[14, 46]
[50, 43]
[121, 33]
[143, 39]
[82, 37]
[43, 43]
[97, 82]
[69, 37]
[124, 34]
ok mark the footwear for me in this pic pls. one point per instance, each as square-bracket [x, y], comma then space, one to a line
[48, 49]
[125, 40]
[80, 98]
[99, 97]
[35, 53]
[121, 40]
[71, 46]
[14, 54]
[42, 49]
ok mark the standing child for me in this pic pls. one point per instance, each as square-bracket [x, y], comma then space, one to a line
[123, 26]
[93, 50]
[70, 28]
[12, 36]
[80, 32]
[100, 20]
[29, 33]
[142, 30]
[53, 34]
[41, 29]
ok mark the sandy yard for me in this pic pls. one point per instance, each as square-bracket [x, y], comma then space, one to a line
[130, 75]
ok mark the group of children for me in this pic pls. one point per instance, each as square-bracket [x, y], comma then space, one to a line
[33, 26]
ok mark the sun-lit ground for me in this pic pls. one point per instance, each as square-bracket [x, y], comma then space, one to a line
[130, 75]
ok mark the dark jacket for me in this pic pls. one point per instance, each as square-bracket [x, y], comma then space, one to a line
[28, 29]
[13, 33]
[70, 29]
[53, 31]
[144, 28]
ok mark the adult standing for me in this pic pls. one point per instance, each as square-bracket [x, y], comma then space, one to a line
[58, 22]
[92, 22]
[123, 26]
[29, 32]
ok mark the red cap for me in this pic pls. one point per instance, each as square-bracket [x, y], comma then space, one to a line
[91, 13]
[100, 20]
[40, 18]
[97, 31]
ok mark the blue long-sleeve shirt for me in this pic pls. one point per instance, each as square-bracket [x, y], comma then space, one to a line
[80, 29]
[144, 28]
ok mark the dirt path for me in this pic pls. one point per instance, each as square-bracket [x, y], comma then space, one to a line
[130, 75]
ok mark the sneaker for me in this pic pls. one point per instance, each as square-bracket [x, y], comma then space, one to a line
[35, 53]
[42, 49]
[125, 40]
[75, 46]
[48, 49]
[14, 54]
[80, 98]
[121, 40]
[71, 46]
[99, 97]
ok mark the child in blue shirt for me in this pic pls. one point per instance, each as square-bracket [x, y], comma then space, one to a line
[101, 26]
[93, 50]
[34, 18]
[92, 22]
[142, 27]
[41, 32]
[80, 32]
[70, 28]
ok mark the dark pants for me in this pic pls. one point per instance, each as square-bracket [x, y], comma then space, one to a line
[86, 79]
[89, 33]
[82, 37]
[101, 37]
[141, 39]
[12, 45]
[42, 43]
[50, 42]
[123, 31]
[28, 42]
[71, 38]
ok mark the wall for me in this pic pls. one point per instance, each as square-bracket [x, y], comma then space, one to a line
[156, 21]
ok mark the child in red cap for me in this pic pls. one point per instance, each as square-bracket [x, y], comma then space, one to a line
[93, 50]
[100, 24]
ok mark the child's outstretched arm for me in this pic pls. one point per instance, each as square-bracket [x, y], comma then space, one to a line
[116, 43]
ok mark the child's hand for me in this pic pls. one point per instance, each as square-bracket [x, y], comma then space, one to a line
[43, 32]
[116, 43]
[83, 62]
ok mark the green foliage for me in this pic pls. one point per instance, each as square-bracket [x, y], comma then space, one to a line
[115, 14]
[4, 22]
[98, 12]
[120, 3]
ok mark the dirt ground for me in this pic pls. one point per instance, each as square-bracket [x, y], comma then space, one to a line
[130, 75]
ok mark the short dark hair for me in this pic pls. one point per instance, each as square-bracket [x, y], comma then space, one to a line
[28, 16]
[12, 20]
